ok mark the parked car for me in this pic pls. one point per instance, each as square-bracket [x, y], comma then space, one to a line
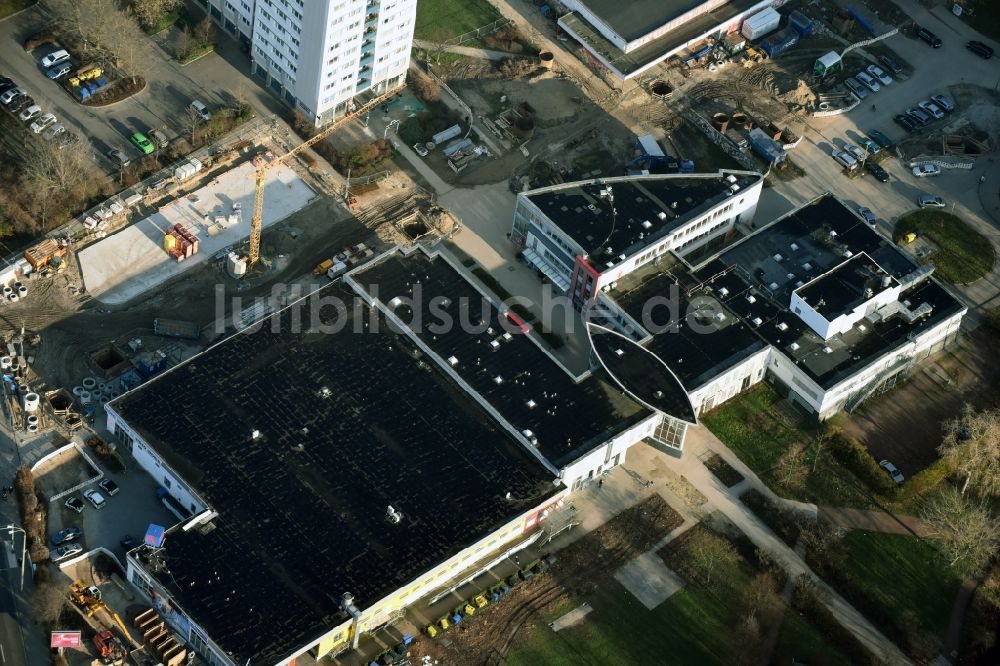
[119, 158]
[891, 64]
[881, 139]
[984, 51]
[867, 215]
[109, 486]
[944, 101]
[420, 149]
[881, 175]
[66, 535]
[43, 123]
[931, 108]
[844, 158]
[906, 122]
[59, 71]
[158, 137]
[64, 552]
[871, 83]
[54, 131]
[201, 110]
[918, 115]
[924, 170]
[10, 95]
[22, 102]
[128, 542]
[54, 58]
[854, 151]
[6, 84]
[95, 498]
[891, 470]
[878, 73]
[30, 113]
[140, 141]
[929, 37]
[856, 87]
[869, 145]
[930, 201]
[74, 503]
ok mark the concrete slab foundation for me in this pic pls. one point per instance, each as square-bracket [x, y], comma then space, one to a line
[132, 261]
[649, 580]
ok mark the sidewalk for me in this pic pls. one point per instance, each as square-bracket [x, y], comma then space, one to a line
[699, 441]
[874, 521]
[469, 51]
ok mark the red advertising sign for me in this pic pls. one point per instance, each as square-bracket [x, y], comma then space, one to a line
[65, 639]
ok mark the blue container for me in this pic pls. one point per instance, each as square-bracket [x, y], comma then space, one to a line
[800, 23]
[780, 42]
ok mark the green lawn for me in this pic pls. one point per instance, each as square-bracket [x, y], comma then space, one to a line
[693, 626]
[963, 255]
[800, 642]
[440, 20]
[8, 7]
[896, 574]
[747, 424]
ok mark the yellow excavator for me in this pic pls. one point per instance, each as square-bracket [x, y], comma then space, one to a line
[90, 601]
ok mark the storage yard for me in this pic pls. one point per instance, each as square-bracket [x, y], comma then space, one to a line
[127, 264]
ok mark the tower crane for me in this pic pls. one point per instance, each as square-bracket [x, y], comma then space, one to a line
[256, 223]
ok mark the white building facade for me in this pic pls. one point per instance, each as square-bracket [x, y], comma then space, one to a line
[317, 55]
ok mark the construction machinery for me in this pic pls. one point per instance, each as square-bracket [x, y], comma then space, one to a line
[90, 601]
[110, 647]
[262, 166]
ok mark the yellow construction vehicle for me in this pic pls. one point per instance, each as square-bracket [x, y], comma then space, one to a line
[256, 222]
[87, 597]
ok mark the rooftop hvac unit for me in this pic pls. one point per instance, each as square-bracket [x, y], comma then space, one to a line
[751, 298]
[619, 352]
[757, 321]
[795, 247]
[794, 346]
[734, 189]
[661, 215]
[782, 326]
[531, 404]
[827, 350]
[673, 205]
[392, 515]
[495, 345]
[807, 266]
[778, 258]
[723, 292]
[507, 336]
[720, 316]
[394, 303]
[774, 286]
[498, 380]
[646, 224]
[799, 283]
[848, 253]
[603, 193]
[790, 276]
[452, 361]
[731, 178]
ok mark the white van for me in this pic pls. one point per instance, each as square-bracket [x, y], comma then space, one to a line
[55, 58]
[201, 110]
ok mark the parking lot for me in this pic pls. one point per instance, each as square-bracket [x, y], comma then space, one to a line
[161, 105]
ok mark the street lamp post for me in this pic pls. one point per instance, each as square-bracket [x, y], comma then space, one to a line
[24, 547]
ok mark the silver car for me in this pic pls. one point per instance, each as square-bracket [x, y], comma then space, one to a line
[930, 201]
[868, 81]
[856, 87]
[879, 73]
[66, 551]
[943, 101]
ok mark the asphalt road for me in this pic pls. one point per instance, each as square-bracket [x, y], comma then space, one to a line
[12, 651]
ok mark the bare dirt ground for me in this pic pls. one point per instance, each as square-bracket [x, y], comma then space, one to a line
[63, 472]
[488, 636]
[904, 425]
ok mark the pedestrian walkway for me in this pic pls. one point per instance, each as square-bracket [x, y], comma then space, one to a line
[700, 441]
[874, 521]
[471, 52]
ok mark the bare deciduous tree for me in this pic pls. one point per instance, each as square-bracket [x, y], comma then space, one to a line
[972, 444]
[791, 470]
[191, 122]
[965, 529]
[48, 602]
[149, 12]
[709, 554]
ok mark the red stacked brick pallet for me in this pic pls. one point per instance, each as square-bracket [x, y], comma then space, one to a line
[186, 245]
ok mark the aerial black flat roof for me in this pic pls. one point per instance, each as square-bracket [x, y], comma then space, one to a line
[647, 209]
[350, 423]
[846, 286]
[756, 286]
[694, 343]
[631, 20]
[523, 383]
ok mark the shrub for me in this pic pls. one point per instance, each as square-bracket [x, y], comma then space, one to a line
[423, 86]
[807, 599]
[855, 457]
[782, 522]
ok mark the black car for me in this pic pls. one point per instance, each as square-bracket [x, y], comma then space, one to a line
[929, 37]
[891, 64]
[66, 535]
[118, 158]
[109, 486]
[982, 50]
[906, 122]
[18, 103]
[881, 175]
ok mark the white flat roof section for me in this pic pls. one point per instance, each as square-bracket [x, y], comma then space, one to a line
[132, 261]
